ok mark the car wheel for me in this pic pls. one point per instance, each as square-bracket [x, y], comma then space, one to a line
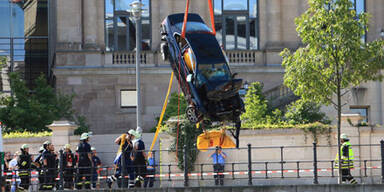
[192, 114]
[164, 51]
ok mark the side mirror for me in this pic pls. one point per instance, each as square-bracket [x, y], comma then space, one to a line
[234, 75]
[189, 78]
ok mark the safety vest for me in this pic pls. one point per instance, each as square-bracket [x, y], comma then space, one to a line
[346, 161]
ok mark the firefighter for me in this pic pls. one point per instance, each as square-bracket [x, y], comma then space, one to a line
[346, 159]
[24, 163]
[69, 166]
[49, 166]
[84, 163]
[124, 154]
[139, 157]
[39, 164]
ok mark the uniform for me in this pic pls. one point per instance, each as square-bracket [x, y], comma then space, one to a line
[69, 168]
[50, 170]
[347, 158]
[84, 165]
[24, 164]
[139, 162]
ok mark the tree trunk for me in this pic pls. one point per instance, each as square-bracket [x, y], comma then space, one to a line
[339, 131]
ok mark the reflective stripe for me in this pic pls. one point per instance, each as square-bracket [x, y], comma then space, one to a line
[347, 162]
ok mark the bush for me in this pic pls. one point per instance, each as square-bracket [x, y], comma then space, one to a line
[26, 134]
[304, 112]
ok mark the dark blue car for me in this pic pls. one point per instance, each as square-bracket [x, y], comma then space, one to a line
[205, 78]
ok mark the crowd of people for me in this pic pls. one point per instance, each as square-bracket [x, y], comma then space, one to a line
[79, 169]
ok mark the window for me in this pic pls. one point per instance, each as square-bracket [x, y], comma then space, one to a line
[24, 37]
[363, 111]
[128, 98]
[120, 27]
[236, 23]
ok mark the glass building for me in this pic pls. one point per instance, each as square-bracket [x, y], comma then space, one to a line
[24, 37]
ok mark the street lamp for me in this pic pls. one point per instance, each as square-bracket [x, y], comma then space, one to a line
[382, 33]
[136, 13]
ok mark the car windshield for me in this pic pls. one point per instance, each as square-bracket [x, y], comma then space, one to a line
[214, 72]
[193, 26]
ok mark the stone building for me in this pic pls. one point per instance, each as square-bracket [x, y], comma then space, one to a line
[91, 52]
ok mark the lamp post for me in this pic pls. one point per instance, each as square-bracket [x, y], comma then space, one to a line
[136, 13]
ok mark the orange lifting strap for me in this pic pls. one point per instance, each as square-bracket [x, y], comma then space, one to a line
[211, 13]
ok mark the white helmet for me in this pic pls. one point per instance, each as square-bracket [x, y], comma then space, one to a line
[344, 136]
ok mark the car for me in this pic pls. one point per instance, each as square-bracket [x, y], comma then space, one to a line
[202, 70]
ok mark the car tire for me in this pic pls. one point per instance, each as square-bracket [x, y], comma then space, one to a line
[192, 115]
[164, 50]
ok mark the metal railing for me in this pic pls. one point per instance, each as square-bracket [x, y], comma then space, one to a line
[310, 169]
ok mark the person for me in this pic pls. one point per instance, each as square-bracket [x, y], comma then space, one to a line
[346, 159]
[13, 167]
[151, 170]
[218, 157]
[84, 163]
[97, 164]
[24, 163]
[125, 147]
[7, 159]
[138, 157]
[49, 165]
[39, 164]
[68, 166]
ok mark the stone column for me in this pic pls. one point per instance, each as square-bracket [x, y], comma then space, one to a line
[61, 132]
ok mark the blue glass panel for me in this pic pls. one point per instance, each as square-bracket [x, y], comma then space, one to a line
[235, 4]
[253, 8]
[217, 7]
[360, 6]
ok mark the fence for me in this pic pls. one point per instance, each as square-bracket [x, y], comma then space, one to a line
[314, 170]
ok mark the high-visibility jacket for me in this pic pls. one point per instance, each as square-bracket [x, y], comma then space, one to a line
[347, 156]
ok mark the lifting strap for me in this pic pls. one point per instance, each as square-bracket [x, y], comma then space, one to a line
[211, 14]
[162, 113]
[185, 20]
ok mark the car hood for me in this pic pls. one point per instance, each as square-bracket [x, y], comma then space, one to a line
[218, 90]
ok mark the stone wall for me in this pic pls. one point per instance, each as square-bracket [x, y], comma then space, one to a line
[267, 147]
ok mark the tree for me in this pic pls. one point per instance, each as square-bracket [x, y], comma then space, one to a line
[303, 112]
[32, 110]
[334, 56]
[256, 106]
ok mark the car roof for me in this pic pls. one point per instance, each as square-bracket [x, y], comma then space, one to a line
[179, 17]
[206, 48]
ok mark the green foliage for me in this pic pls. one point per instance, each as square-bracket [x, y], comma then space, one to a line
[334, 57]
[26, 134]
[256, 106]
[83, 125]
[32, 110]
[3, 61]
[172, 106]
[187, 136]
[303, 112]
[315, 129]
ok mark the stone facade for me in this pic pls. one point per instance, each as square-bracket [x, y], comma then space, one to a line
[84, 68]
